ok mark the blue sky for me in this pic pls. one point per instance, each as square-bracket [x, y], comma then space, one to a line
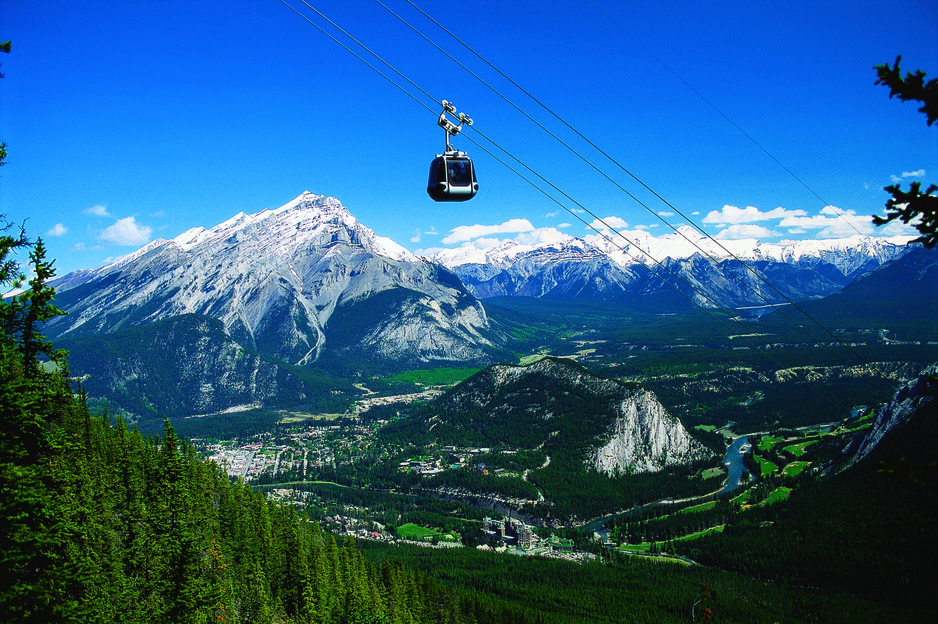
[128, 121]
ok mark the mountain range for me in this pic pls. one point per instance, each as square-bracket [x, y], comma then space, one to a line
[289, 306]
[675, 271]
[278, 307]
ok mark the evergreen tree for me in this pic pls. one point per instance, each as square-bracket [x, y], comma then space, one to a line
[913, 205]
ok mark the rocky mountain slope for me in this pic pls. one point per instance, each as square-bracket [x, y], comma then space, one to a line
[918, 399]
[276, 280]
[188, 366]
[904, 290]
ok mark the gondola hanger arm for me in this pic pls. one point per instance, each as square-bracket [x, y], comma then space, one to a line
[451, 128]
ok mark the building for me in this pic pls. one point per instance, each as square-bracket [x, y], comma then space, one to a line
[510, 531]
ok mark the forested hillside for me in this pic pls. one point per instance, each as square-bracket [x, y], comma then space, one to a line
[102, 525]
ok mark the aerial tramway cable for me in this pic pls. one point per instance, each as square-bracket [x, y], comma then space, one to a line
[715, 261]
[724, 115]
[658, 263]
[703, 295]
[601, 233]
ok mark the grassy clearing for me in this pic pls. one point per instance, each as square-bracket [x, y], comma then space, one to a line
[434, 376]
[530, 359]
[767, 468]
[711, 473]
[698, 534]
[643, 547]
[798, 449]
[795, 468]
[701, 507]
[417, 533]
[768, 442]
[778, 495]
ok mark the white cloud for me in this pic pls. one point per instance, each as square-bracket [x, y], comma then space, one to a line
[831, 223]
[484, 243]
[541, 235]
[98, 211]
[479, 243]
[551, 215]
[126, 232]
[749, 214]
[418, 234]
[920, 173]
[564, 225]
[665, 213]
[57, 230]
[609, 222]
[897, 228]
[469, 232]
[532, 237]
[738, 231]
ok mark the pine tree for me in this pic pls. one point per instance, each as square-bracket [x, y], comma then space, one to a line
[920, 208]
[43, 575]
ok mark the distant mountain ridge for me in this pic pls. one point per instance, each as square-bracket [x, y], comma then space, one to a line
[671, 270]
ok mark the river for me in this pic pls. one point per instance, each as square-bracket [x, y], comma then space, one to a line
[733, 460]
[734, 464]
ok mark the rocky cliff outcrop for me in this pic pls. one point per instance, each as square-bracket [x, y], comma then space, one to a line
[644, 438]
[917, 398]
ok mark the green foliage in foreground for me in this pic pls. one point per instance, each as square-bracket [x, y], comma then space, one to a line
[624, 590]
[919, 208]
[101, 525]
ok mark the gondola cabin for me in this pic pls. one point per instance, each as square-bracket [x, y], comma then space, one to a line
[452, 178]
